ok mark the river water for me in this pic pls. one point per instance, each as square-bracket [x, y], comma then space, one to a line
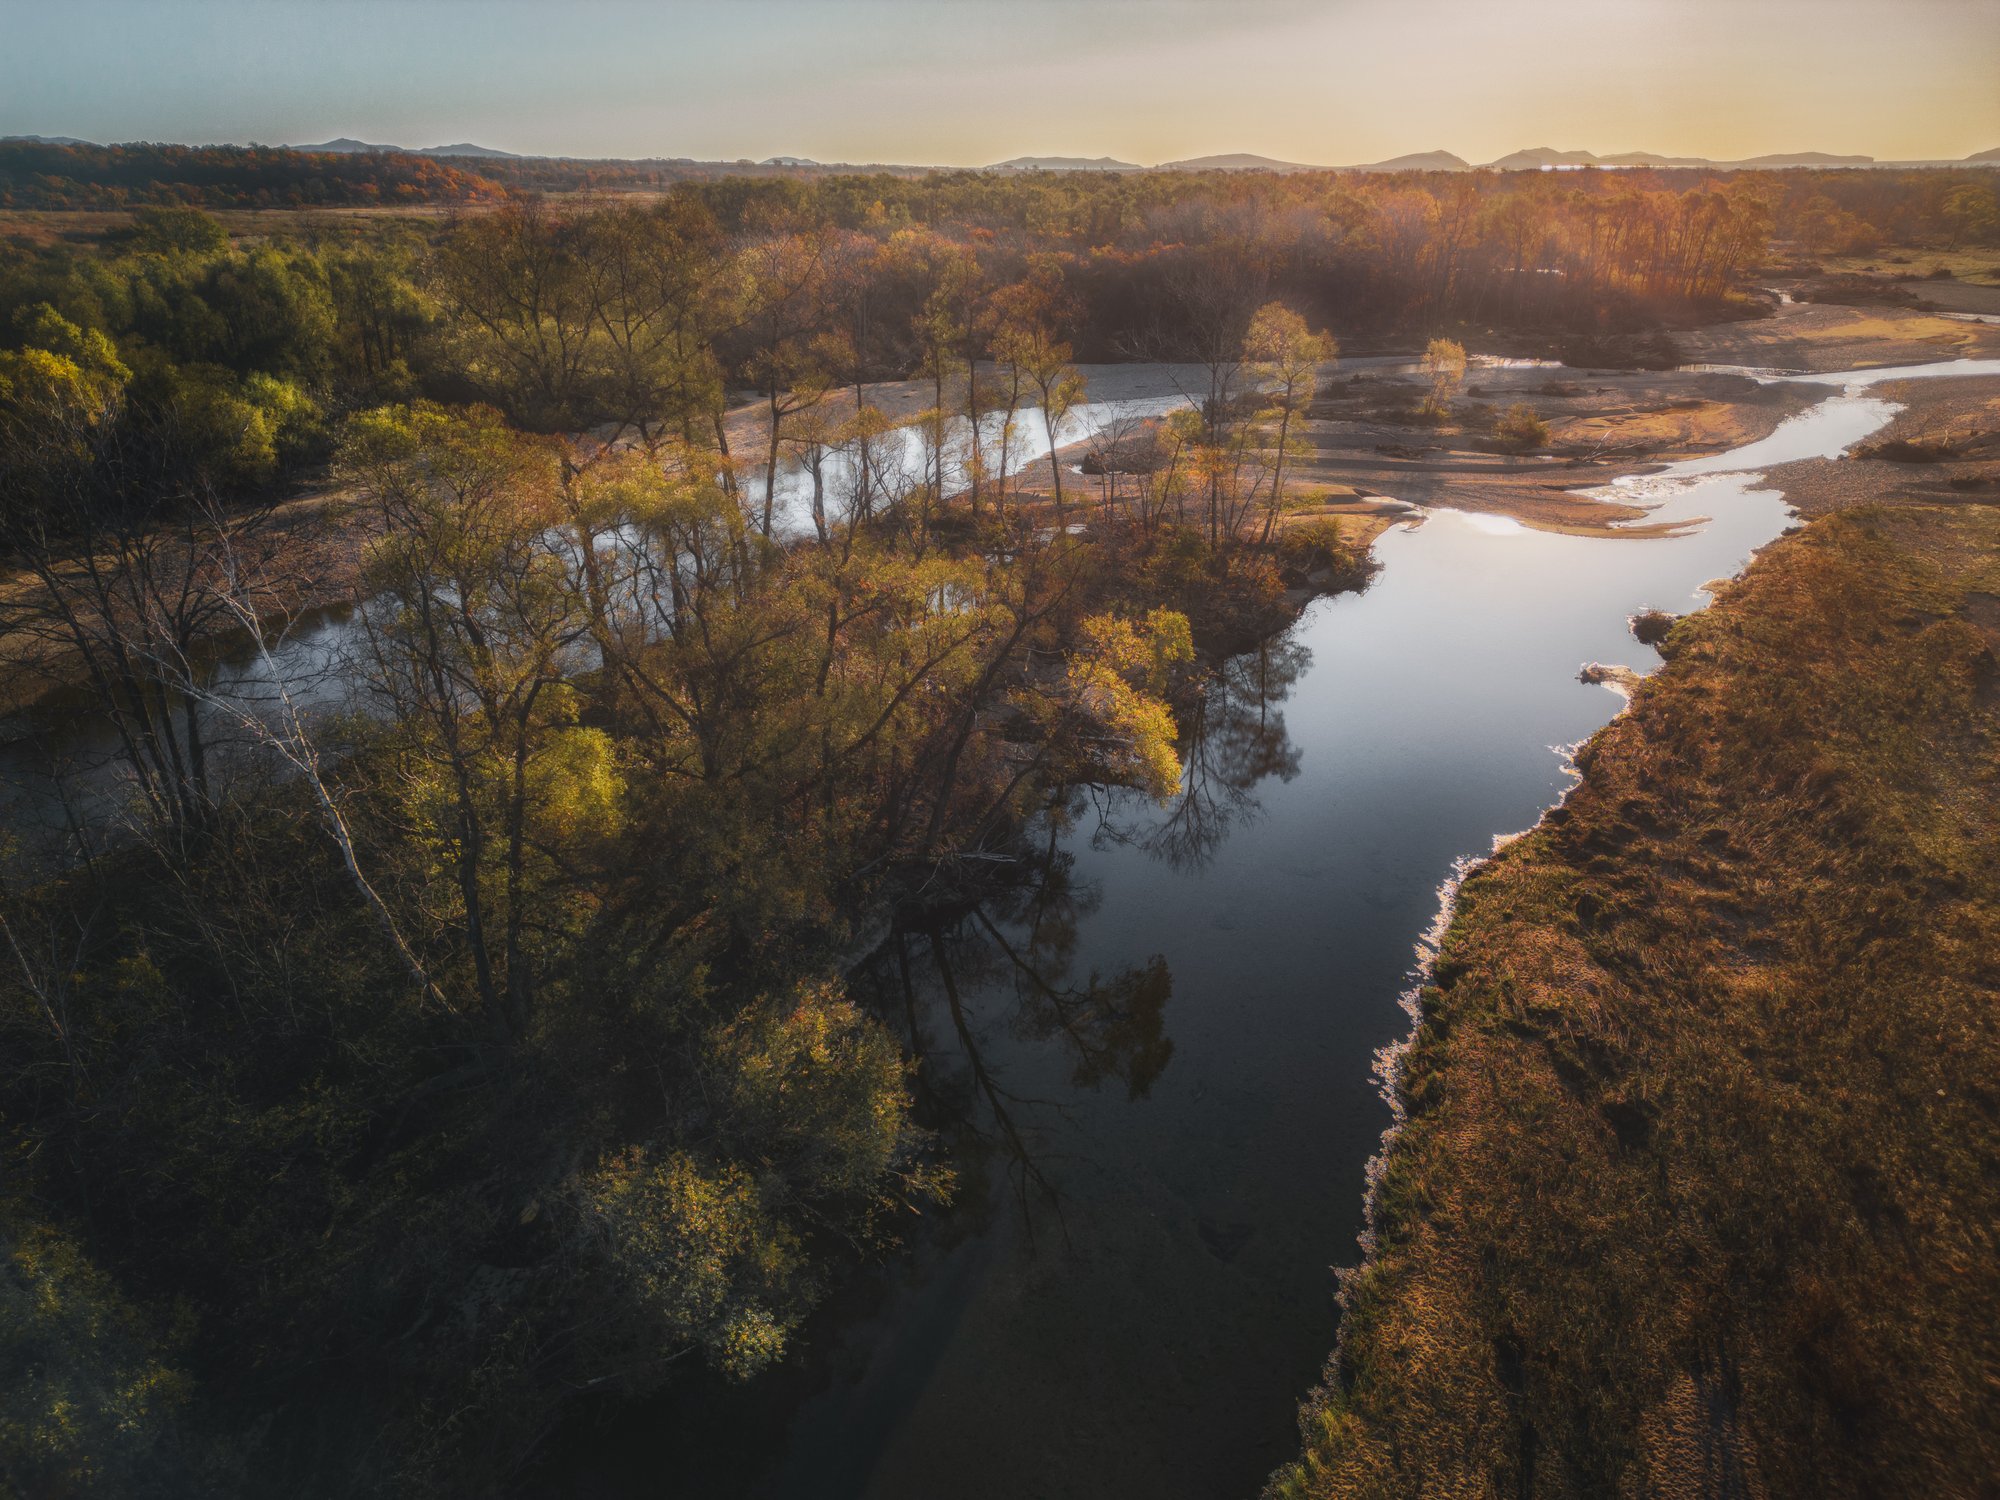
[1155, 1072]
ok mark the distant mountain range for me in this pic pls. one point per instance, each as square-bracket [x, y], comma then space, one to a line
[1534, 158]
[1544, 158]
[1234, 161]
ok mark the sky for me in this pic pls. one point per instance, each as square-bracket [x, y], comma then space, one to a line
[967, 82]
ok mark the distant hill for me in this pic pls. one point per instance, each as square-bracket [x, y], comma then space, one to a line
[788, 161]
[1416, 161]
[347, 146]
[1236, 161]
[1065, 164]
[1802, 159]
[1529, 159]
[1649, 159]
[48, 140]
[1547, 158]
[466, 148]
[1537, 157]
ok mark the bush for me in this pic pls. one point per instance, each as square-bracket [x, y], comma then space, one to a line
[1909, 450]
[1521, 428]
[88, 1405]
[1650, 626]
[176, 230]
[1612, 351]
[1856, 291]
[1322, 546]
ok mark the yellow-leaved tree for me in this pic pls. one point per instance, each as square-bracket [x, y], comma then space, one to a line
[1114, 700]
[1444, 368]
[1284, 358]
[476, 628]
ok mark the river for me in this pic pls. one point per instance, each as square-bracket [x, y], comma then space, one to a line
[1155, 1075]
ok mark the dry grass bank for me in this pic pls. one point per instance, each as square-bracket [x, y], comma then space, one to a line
[1699, 1190]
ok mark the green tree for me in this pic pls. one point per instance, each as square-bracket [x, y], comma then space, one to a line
[1973, 213]
[472, 644]
[89, 1404]
[168, 230]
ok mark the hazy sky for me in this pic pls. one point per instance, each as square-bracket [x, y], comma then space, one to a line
[974, 81]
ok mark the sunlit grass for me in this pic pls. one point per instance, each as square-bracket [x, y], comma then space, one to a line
[1698, 1192]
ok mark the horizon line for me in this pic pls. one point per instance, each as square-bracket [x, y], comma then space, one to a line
[795, 159]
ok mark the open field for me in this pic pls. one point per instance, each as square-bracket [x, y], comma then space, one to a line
[1970, 264]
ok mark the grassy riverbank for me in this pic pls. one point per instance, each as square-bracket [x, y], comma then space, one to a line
[1698, 1188]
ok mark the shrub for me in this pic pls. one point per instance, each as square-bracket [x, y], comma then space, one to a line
[1521, 428]
[1322, 545]
[1650, 626]
[1909, 450]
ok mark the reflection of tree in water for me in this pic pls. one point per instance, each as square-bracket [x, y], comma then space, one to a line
[959, 975]
[1007, 962]
[1114, 1028]
[1232, 738]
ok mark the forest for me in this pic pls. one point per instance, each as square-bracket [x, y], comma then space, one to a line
[42, 176]
[379, 1086]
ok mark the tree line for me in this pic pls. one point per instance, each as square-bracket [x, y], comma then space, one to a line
[1376, 253]
[35, 175]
